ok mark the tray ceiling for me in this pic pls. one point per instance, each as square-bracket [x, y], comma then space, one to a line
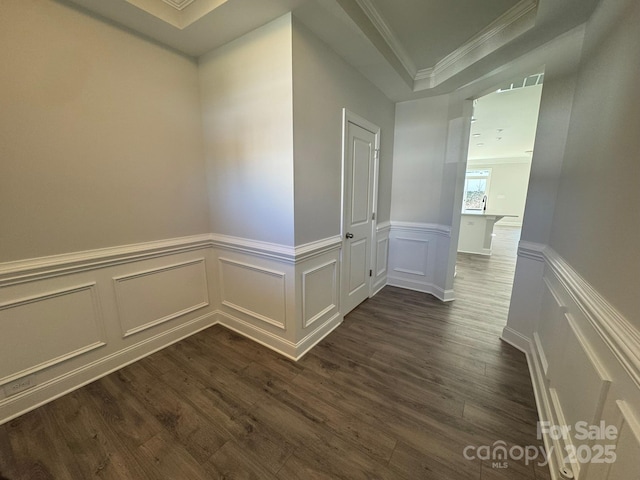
[408, 48]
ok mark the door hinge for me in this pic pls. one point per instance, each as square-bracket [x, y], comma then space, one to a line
[373, 216]
[371, 273]
[377, 150]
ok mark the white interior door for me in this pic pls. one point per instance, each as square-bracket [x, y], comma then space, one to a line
[358, 208]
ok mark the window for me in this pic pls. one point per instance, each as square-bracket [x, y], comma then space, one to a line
[476, 188]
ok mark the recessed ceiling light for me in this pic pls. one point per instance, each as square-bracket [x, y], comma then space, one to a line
[477, 134]
[480, 144]
[528, 151]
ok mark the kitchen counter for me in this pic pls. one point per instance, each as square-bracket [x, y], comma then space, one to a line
[476, 231]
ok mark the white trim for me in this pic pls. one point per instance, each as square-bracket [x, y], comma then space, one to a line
[531, 250]
[424, 287]
[544, 403]
[429, 228]
[294, 351]
[140, 328]
[383, 227]
[100, 341]
[389, 37]
[21, 271]
[312, 249]
[178, 4]
[334, 292]
[23, 402]
[277, 251]
[511, 24]
[256, 268]
[516, 339]
[622, 338]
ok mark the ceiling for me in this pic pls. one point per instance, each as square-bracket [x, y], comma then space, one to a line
[505, 125]
[409, 19]
[408, 48]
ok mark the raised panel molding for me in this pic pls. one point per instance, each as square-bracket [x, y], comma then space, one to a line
[151, 297]
[46, 329]
[618, 333]
[416, 267]
[319, 292]
[382, 251]
[418, 256]
[583, 359]
[253, 290]
[129, 280]
[627, 446]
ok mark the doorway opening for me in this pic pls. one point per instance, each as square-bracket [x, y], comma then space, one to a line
[501, 144]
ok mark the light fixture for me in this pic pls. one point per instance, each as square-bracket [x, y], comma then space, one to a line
[480, 144]
[477, 134]
[528, 151]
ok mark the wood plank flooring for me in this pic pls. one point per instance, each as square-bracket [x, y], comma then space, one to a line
[397, 392]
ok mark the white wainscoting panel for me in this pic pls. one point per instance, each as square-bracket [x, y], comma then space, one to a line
[143, 300]
[69, 319]
[413, 252]
[286, 302]
[411, 256]
[255, 291]
[627, 446]
[582, 356]
[381, 256]
[48, 328]
[319, 292]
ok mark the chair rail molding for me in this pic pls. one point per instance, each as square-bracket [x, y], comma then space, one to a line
[584, 360]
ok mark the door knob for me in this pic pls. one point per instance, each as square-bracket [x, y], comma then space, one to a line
[349, 235]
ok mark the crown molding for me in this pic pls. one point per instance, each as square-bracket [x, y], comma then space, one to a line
[513, 23]
[387, 34]
[425, 228]
[178, 4]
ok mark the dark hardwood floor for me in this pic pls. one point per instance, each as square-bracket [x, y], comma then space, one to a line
[397, 392]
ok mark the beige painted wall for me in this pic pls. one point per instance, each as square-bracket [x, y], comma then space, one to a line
[247, 113]
[556, 104]
[508, 187]
[419, 158]
[596, 226]
[100, 135]
[324, 84]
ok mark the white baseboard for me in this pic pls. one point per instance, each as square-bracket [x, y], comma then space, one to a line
[21, 403]
[439, 293]
[583, 361]
[516, 339]
[291, 350]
